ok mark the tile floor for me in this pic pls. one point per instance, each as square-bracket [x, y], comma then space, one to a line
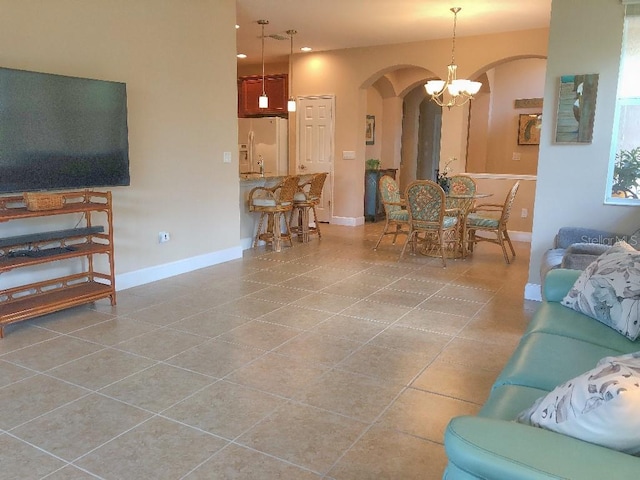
[327, 360]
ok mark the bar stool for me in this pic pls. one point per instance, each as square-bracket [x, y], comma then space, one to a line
[305, 201]
[273, 203]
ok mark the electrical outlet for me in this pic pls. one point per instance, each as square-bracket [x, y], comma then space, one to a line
[163, 237]
[515, 156]
[524, 213]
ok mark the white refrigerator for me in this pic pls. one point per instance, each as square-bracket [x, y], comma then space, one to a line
[266, 139]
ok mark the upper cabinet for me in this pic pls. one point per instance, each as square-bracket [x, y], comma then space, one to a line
[250, 88]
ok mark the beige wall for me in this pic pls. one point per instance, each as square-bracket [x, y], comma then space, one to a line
[498, 185]
[570, 191]
[348, 73]
[178, 61]
[493, 152]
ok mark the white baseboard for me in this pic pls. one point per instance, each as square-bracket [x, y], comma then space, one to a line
[520, 236]
[246, 243]
[348, 221]
[532, 291]
[159, 272]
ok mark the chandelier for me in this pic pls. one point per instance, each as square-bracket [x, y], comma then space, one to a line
[459, 91]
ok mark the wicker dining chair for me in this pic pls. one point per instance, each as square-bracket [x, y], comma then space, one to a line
[305, 201]
[428, 214]
[492, 218]
[394, 208]
[273, 204]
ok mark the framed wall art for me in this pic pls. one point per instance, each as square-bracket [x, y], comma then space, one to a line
[528, 129]
[370, 132]
[576, 108]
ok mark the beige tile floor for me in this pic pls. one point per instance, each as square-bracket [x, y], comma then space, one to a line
[327, 360]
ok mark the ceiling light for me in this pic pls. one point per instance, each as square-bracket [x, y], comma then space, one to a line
[241, 55]
[291, 104]
[306, 49]
[263, 100]
[459, 91]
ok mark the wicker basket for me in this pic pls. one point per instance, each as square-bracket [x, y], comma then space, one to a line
[42, 201]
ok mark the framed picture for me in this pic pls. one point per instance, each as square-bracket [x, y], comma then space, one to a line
[370, 132]
[576, 108]
[528, 129]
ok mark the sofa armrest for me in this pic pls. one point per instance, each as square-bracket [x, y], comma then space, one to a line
[498, 449]
[558, 282]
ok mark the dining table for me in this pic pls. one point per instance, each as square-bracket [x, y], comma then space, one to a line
[456, 247]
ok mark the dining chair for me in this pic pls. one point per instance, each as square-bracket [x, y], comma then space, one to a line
[305, 201]
[396, 214]
[426, 203]
[492, 218]
[273, 204]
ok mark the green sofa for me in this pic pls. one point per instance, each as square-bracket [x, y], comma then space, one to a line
[559, 344]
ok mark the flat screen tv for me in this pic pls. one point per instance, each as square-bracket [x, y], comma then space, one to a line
[59, 132]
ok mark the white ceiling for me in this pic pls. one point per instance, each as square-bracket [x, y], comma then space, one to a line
[337, 24]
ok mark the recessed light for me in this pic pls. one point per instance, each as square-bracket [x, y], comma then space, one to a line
[241, 55]
[237, 26]
[306, 49]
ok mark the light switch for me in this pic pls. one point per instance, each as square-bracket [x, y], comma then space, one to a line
[348, 155]
[226, 157]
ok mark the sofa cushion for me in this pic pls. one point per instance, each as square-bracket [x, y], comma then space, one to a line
[601, 406]
[507, 401]
[552, 317]
[545, 360]
[608, 290]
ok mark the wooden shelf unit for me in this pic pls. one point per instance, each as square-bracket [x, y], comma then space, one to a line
[47, 296]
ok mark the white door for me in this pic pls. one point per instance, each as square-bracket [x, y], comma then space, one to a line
[315, 145]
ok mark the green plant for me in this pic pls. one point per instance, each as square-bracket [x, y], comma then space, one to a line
[626, 173]
[442, 177]
[372, 164]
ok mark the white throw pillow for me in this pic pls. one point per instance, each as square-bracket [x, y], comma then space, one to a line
[601, 406]
[609, 290]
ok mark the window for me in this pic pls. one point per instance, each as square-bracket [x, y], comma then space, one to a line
[623, 185]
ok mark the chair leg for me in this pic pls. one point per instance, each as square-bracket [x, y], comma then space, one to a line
[303, 224]
[288, 229]
[275, 230]
[257, 237]
[506, 236]
[410, 236]
[471, 239]
[384, 232]
[441, 243]
[315, 221]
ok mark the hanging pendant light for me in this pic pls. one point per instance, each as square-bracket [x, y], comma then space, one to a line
[291, 104]
[263, 100]
[459, 91]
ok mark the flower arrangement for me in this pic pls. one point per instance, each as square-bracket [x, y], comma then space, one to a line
[442, 178]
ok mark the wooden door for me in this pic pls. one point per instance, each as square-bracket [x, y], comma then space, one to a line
[315, 131]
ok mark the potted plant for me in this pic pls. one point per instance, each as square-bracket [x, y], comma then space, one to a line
[442, 178]
[372, 164]
[626, 173]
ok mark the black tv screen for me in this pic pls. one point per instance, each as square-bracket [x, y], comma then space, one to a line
[59, 132]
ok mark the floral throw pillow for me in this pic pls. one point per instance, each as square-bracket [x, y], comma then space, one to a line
[601, 406]
[609, 290]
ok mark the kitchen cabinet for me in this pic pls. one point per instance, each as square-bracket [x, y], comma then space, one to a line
[250, 88]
